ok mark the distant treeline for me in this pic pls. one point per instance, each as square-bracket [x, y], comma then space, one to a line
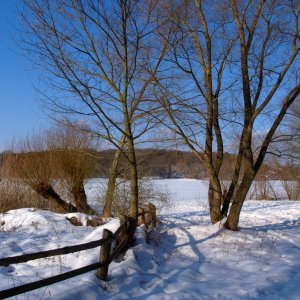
[162, 163]
[156, 163]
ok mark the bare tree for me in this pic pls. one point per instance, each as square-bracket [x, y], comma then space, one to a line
[236, 64]
[100, 59]
[286, 141]
[287, 150]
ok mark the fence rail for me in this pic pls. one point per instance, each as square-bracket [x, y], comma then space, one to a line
[43, 254]
[122, 237]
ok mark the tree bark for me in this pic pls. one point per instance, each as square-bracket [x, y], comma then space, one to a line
[133, 208]
[111, 185]
[215, 200]
[237, 203]
[80, 199]
[46, 191]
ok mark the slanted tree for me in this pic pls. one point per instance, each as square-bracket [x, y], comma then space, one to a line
[73, 154]
[32, 164]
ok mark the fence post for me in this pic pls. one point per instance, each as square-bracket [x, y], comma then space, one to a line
[123, 232]
[104, 255]
[151, 216]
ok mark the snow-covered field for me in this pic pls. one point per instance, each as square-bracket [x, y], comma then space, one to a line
[183, 258]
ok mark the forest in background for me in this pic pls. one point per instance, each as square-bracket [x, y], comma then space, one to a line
[168, 163]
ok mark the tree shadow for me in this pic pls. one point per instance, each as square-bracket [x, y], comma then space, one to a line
[158, 271]
[283, 226]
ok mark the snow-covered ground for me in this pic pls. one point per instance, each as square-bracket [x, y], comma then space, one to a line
[183, 258]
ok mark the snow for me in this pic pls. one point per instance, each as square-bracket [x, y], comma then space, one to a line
[185, 257]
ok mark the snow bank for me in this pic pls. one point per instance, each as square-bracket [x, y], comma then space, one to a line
[183, 258]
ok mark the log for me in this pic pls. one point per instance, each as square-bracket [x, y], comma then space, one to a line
[75, 221]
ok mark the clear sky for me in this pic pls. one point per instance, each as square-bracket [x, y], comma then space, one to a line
[19, 111]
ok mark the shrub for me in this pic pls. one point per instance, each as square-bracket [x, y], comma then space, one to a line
[148, 193]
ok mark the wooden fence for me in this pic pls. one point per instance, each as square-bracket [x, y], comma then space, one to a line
[122, 238]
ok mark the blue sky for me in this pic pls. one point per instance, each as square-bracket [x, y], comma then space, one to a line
[19, 111]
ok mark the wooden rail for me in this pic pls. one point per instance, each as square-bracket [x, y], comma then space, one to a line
[47, 281]
[43, 254]
[122, 237]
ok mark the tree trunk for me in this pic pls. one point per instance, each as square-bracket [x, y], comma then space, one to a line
[111, 185]
[225, 205]
[134, 199]
[237, 204]
[215, 200]
[46, 191]
[80, 199]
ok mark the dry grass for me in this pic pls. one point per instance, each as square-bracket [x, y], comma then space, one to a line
[292, 189]
[14, 195]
